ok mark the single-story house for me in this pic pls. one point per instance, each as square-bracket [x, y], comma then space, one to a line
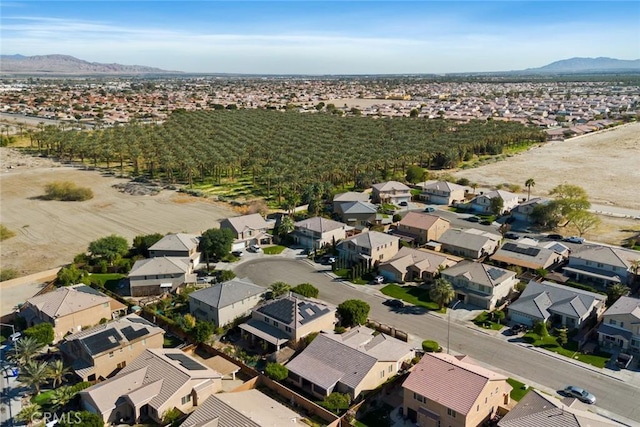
[523, 211]
[422, 227]
[414, 265]
[317, 232]
[530, 257]
[482, 202]
[469, 243]
[480, 284]
[153, 276]
[247, 230]
[620, 327]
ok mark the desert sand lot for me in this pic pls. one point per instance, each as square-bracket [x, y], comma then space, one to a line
[51, 233]
[606, 164]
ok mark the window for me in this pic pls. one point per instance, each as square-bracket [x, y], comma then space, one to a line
[485, 400]
[382, 374]
[451, 413]
[144, 342]
[186, 399]
[288, 329]
[612, 322]
[477, 408]
[419, 398]
[390, 368]
[275, 324]
[111, 354]
[635, 343]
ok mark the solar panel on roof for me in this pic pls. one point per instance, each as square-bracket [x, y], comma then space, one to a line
[102, 341]
[494, 273]
[281, 310]
[131, 334]
[186, 361]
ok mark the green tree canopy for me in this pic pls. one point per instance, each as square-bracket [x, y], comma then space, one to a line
[33, 374]
[42, 332]
[615, 291]
[109, 248]
[143, 242]
[202, 331]
[441, 292]
[279, 288]
[215, 243]
[353, 312]
[276, 371]
[306, 290]
[70, 275]
[497, 204]
[25, 349]
[415, 174]
[81, 418]
[337, 402]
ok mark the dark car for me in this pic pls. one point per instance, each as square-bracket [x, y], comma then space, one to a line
[555, 236]
[395, 303]
[237, 254]
[473, 219]
[511, 235]
[485, 222]
[404, 204]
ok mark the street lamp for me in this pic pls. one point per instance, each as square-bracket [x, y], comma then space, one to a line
[453, 307]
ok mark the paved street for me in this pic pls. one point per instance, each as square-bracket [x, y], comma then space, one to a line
[616, 393]
[12, 391]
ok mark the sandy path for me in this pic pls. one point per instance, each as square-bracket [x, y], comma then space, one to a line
[606, 164]
[51, 233]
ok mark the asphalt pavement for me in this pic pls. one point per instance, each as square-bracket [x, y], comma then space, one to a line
[12, 391]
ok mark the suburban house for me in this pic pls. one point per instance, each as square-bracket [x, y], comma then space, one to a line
[523, 211]
[247, 230]
[359, 214]
[339, 200]
[482, 202]
[527, 256]
[317, 232]
[561, 304]
[178, 245]
[288, 318]
[446, 390]
[604, 265]
[98, 352]
[480, 284]
[414, 265]
[620, 327]
[420, 227]
[369, 247]
[70, 308]
[249, 408]
[352, 363]
[537, 409]
[153, 276]
[443, 193]
[155, 382]
[392, 192]
[222, 303]
[469, 243]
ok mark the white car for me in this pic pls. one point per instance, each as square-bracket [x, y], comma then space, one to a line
[574, 239]
[378, 279]
[255, 248]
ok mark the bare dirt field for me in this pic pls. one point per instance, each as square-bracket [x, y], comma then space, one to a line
[605, 164]
[51, 233]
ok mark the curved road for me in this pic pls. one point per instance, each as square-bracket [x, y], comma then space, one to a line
[538, 369]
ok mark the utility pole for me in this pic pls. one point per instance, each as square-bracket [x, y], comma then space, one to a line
[453, 307]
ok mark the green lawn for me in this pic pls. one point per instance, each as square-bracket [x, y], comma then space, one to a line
[108, 280]
[273, 250]
[570, 349]
[342, 272]
[42, 398]
[519, 389]
[483, 321]
[410, 294]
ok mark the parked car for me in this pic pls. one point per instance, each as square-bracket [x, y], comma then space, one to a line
[327, 259]
[624, 360]
[378, 280]
[517, 328]
[404, 204]
[395, 303]
[511, 235]
[255, 248]
[555, 236]
[429, 209]
[485, 222]
[574, 239]
[237, 254]
[473, 219]
[580, 393]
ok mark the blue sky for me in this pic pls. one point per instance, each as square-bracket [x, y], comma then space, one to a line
[325, 37]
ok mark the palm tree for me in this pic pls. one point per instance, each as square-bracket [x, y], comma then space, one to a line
[441, 292]
[61, 396]
[25, 349]
[29, 414]
[635, 267]
[529, 183]
[279, 288]
[34, 373]
[615, 291]
[57, 372]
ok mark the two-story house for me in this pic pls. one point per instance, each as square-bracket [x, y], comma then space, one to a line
[620, 327]
[469, 243]
[446, 390]
[156, 382]
[523, 212]
[153, 276]
[317, 232]
[422, 227]
[341, 199]
[70, 308]
[178, 245]
[288, 318]
[222, 303]
[247, 230]
[370, 247]
[482, 202]
[604, 265]
[443, 193]
[359, 214]
[392, 192]
[480, 284]
[98, 352]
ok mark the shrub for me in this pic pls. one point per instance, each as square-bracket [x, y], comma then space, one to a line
[353, 312]
[540, 328]
[340, 330]
[82, 418]
[66, 192]
[430, 346]
[5, 233]
[171, 416]
[306, 290]
[226, 275]
[202, 331]
[43, 333]
[337, 402]
[70, 275]
[8, 274]
[276, 371]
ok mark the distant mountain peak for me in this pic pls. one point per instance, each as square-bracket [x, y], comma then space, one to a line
[579, 64]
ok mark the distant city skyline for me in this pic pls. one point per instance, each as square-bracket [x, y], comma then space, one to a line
[328, 37]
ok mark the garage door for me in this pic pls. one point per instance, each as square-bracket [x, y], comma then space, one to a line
[475, 300]
[518, 318]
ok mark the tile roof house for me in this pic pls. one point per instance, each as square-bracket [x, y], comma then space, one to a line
[358, 214]
[153, 276]
[452, 390]
[249, 408]
[523, 211]
[155, 382]
[414, 265]
[369, 247]
[349, 197]
[222, 303]
[604, 265]
[98, 352]
[393, 192]
[443, 193]
[480, 284]
[288, 318]
[317, 232]
[530, 257]
[70, 308]
[354, 362]
[469, 243]
[177, 245]
[422, 227]
[568, 306]
[620, 327]
[248, 230]
[482, 202]
[536, 409]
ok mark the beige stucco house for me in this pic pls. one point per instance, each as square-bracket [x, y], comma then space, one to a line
[393, 192]
[69, 309]
[443, 193]
[248, 230]
[422, 227]
[482, 202]
[620, 328]
[179, 245]
[371, 247]
[317, 232]
[98, 352]
[480, 284]
[469, 243]
[415, 265]
[446, 390]
[153, 276]
[155, 382]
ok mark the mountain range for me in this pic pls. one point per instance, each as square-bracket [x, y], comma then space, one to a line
[69, 65]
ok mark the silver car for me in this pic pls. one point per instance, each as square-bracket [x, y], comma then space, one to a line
[580, 393]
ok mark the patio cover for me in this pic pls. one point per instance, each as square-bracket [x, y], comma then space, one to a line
[268, 333]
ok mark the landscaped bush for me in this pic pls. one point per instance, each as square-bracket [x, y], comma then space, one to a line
[336, 402]
[306, 290]
[431, 346]
[8, 274]
[43, 333]
[66, 192]
[276, 371]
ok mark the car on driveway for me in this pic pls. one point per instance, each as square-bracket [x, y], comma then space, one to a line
[580, 394]
[378, 280]
[511, 235]
[555, 236]
[395, 303]
[574, 239]
[404, 204]
[255, 248]
[429, 209]
[485, 222]
[237, 254]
